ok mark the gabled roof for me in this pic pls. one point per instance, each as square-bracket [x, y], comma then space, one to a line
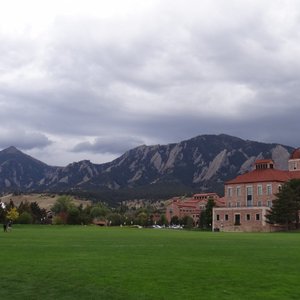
[263, 175]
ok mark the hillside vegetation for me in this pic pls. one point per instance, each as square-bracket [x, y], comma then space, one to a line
[45, 201]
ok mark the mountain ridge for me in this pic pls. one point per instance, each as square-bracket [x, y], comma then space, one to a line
[201, 163]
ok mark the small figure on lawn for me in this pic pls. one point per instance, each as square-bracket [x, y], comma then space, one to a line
[9, 225]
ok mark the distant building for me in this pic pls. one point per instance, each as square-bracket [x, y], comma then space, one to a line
[191, 206]
[248, 197]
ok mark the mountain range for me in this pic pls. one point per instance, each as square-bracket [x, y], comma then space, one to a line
[199, 164]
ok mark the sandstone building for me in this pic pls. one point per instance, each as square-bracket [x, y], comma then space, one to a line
[249, 196]
[191, 206]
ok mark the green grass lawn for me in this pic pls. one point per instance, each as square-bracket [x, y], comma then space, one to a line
[88, 262]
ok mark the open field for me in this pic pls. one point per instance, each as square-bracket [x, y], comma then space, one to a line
[89, 262]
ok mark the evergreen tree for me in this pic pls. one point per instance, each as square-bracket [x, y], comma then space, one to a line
[175, 220]
[2, 213]
[202, 220]
[205, 221]
[23, 207]
[38, 214]
[286, 206]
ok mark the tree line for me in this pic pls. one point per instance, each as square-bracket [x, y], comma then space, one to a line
[64, 211]
[25, 213]
[284, 212]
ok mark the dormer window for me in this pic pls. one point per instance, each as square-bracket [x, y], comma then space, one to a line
[264, 164]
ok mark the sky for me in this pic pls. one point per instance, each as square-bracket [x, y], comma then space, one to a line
[91, 79]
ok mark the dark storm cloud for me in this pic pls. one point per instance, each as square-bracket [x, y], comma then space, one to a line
[162, 75]
[23, 140]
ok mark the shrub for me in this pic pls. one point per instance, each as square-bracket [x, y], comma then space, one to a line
[57, 220]
[25, 218]
[73, 216]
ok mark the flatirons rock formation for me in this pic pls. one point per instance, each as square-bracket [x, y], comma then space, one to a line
[202, 163]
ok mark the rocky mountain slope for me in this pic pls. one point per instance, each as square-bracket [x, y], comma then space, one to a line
[19, 171]
[202, 163]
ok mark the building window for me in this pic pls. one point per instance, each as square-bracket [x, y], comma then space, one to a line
[269, 203]
[269, 189]
[226, 218]
[279, 188]
[257, 217]
[229, 192]
[237, 219]
[229, 204]
[259, 203]
[238, 191]
[238, 204]
[248, 217]
[249, 192]
[259, 190]
[218, 217]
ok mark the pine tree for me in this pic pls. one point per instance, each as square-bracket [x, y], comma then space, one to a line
[205, 221]
[286, 206]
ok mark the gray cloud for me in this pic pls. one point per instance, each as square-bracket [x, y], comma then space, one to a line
[23, 140]
[161, 75]
[114, 145]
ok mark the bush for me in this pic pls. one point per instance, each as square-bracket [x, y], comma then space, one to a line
[187, 221]
[25, 218]
[57, 220]
[73, 216]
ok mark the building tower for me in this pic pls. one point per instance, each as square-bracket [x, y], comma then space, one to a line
[294, 161]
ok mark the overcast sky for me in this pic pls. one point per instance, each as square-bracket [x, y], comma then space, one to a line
[92, 79]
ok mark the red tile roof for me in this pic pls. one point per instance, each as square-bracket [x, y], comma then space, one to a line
[220, 201]
[264, 175]
[294, 174]
[263, 161]
[186, 205]
[205, 194]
